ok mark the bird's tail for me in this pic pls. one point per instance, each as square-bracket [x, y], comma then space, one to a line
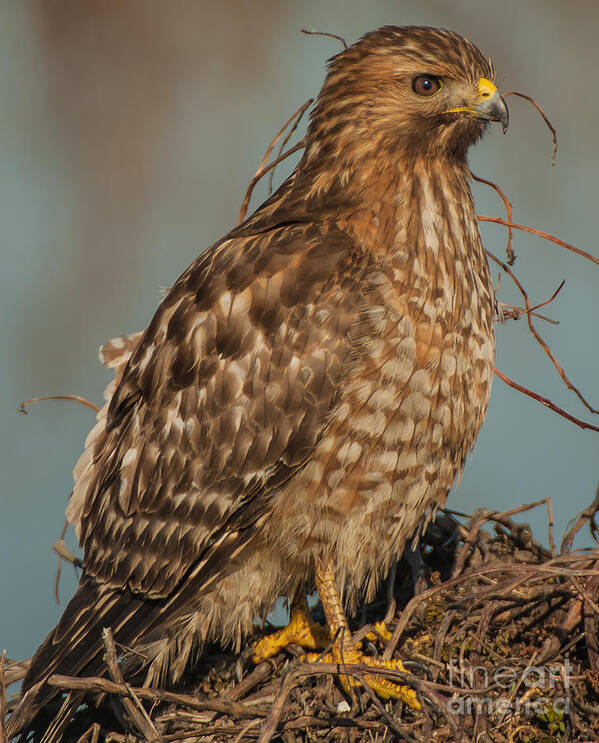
[74, 647]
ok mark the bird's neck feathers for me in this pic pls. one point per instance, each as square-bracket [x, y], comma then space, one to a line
[417, 205]
[415, 217]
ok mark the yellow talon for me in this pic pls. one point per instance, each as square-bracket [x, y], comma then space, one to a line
[380, 630]
[388, 689]
[301, 630]
[381, 686]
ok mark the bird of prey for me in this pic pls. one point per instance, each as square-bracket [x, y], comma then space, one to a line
[307, 392]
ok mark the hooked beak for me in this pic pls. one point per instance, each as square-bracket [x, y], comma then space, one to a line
[490, 105]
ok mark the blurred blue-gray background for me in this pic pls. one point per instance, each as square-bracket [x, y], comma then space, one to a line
[128, 134]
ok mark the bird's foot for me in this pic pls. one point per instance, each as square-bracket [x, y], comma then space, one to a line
[346, 654]
[301, 630]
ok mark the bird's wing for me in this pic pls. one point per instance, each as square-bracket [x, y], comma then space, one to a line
[225, 395]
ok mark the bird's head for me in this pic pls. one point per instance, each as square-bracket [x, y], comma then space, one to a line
[407, 92]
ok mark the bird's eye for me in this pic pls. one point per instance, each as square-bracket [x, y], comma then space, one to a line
[426, 85]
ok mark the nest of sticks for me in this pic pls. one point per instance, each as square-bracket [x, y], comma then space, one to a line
[497, 632]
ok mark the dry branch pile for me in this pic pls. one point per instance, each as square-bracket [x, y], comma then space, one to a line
[499, 634]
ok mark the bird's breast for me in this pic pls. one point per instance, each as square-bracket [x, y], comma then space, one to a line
[408, 413]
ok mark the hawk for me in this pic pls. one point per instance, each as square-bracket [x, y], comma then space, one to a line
[307, 392]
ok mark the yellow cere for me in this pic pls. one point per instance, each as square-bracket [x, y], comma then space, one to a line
[485, 90]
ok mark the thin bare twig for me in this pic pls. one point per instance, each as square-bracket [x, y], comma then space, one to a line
[590, 622]
[546, 568]
[518, 312]
[325, 33]
[74, 398]
[543, 235]
[293, 118]
[260, 173]
[65, 553]
[92, 733]
[482, 516]
[394, 724]
[60, 559]
[511, 256]
[257, 676]
[299, 115]
[586, 515]
[545, 401]
[251, 724]
[545, 119]
[547, 301]
[15, 670]
[512, 312]
[585, 595]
